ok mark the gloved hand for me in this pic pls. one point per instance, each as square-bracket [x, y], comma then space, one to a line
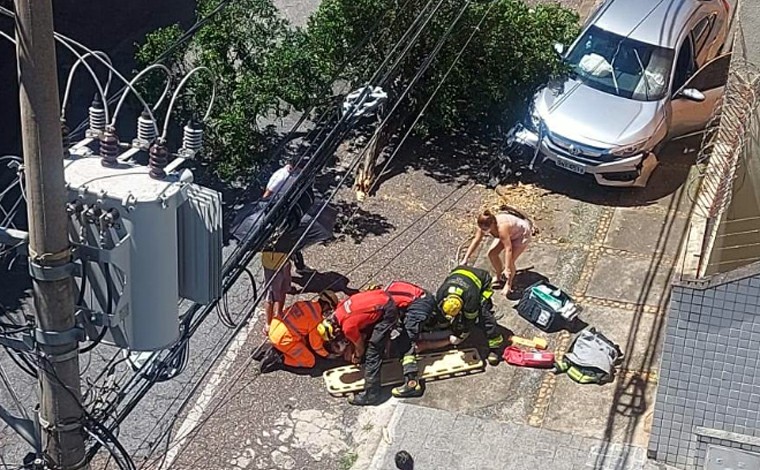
[457, 339]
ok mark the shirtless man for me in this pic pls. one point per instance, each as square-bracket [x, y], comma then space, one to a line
[511, 230]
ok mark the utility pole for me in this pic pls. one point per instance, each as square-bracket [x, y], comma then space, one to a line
[60, 411]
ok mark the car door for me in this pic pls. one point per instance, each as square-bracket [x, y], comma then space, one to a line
[690, 115]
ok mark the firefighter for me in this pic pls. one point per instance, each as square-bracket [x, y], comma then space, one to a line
[404, 293]
[295, 334]
[464, 299]
[366, 320]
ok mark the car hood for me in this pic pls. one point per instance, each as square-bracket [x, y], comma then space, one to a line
[593, 117]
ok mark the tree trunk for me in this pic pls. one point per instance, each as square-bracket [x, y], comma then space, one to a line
[365, 173]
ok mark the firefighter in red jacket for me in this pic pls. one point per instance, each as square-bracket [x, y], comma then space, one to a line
[366, 320]
[294, 333]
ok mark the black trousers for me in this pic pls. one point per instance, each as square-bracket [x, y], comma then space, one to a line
[373, 360]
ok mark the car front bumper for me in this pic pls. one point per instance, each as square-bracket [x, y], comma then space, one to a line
[633, 171]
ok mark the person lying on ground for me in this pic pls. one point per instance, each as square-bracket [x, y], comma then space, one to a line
[511, 230]
[366, 320]
[295, 335]
[420, 316]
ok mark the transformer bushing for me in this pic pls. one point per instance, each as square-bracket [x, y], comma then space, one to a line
[146, 129]
[159, 158]
[97, 115]
[109, 147]
[192, 138]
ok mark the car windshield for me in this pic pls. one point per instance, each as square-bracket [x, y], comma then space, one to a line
[621, 66]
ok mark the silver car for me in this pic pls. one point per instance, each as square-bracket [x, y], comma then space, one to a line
[642, 72]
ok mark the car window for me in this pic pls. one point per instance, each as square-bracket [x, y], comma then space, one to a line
[701, 34]
[713, 75]
[621, 65]
[685, 65]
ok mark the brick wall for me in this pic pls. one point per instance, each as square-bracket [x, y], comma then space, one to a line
[709, 392]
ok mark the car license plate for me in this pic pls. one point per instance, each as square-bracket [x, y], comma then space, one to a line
[571, 166]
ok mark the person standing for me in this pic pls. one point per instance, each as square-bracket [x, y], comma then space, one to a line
[277, 282]
[279, 182]
[366, 320]
[511, 230]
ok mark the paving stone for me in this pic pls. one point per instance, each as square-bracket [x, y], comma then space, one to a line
[529, 448]
[646, 230]
[638, 281]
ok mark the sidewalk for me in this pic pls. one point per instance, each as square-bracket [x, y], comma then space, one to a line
[439, 439]
[615, 253]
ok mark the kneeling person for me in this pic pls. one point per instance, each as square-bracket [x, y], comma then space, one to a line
[464, 298]
[366, 320]
[295, 335]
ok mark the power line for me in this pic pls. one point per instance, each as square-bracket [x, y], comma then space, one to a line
[357, 159]
[413, 241]
[236, 260]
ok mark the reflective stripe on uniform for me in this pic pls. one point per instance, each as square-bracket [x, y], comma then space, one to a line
[478, 283]
[576, 374]
[495, 342]
[471, 315]
[469, 275]
[406, 360]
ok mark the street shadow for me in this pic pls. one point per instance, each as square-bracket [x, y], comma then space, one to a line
[458, 158]
[630, 399]
[670, 175]
[356, 224]
[16, 288]
[317, 282]
[524, 278]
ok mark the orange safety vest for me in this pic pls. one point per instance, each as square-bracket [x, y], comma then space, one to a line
[404, 293]
[302, 317]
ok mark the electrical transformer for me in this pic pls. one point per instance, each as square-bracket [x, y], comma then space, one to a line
[143, 243]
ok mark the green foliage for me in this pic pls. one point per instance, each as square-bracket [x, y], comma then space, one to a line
[265, 68]
[240, 47]
[508, 58]
[155, 44]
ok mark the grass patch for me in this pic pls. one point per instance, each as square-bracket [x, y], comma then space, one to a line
[347, 461]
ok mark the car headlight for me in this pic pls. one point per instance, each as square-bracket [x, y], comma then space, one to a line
[627, 150]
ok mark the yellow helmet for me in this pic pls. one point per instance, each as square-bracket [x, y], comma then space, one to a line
[330, 297]
[373, 286]
[326, 330]
[451, 305]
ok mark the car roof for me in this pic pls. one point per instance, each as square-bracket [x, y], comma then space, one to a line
[658, 22]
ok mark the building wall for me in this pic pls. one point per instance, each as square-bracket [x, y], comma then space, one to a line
[737, 241]
[709, 389]
[737, 238]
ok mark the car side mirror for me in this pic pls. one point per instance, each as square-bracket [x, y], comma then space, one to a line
[559, 48]
[692, 94]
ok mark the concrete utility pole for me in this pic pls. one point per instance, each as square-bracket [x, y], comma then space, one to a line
[49, 253]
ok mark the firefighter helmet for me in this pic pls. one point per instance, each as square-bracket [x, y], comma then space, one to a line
[451, 305]
[326, 329]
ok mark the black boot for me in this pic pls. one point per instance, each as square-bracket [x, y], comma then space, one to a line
[411, 388]
[368, 397]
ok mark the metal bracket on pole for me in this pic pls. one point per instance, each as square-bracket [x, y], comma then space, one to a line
[52, 273]
[59, 338]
